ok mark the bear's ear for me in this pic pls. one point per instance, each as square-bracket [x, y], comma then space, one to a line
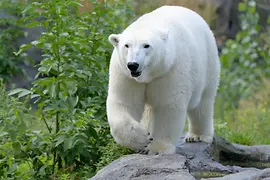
[114, 39]
[164, 34]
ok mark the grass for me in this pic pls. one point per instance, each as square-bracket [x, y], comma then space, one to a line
[249, 123]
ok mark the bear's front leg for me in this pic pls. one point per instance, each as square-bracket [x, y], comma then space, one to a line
[166, 129]
[125, 128]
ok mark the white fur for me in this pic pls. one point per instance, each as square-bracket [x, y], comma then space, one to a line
[180, 76]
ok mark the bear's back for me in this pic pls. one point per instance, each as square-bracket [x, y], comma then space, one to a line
[168, 16]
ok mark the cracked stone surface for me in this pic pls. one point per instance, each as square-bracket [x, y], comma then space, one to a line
[220, 160]
[146, 167]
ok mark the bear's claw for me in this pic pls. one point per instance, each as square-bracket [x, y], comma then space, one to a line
[143, 151]
[150, 138]
[198, 138]
[193, 139]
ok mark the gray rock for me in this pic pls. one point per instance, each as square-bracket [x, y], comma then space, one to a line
[262, 150]
[193, 161]
[138, 167]
[246, 175]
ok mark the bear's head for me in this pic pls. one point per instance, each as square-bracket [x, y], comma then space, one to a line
[142, 53]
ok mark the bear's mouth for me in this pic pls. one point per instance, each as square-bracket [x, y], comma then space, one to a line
[136, 74]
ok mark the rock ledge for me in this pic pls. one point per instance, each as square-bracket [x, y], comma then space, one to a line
[219, 161]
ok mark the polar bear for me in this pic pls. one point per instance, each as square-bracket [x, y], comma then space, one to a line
[164, 67]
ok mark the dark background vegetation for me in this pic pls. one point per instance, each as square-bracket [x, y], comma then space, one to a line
[54, 58]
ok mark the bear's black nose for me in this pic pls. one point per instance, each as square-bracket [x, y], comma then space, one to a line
[133, 66]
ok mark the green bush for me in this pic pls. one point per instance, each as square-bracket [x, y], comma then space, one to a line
[244, 59]
[14, 116]
[70, 88]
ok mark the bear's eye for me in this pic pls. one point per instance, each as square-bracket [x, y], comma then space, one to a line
[146, 46]
[126, 45]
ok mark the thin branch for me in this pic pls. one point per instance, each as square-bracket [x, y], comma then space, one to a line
[45, 121]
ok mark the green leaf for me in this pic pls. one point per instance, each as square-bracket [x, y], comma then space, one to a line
[42, 170]
[27, 8]
[252, 9]
[52, 90]
[73, 101]
[22, 127]
[32, 24]
[24, 93]
[92, 132]
[75, 3]
[60, 139]
[23, 48]
[16, 146]
[13, 134]
[2, 134]
[242, 7]
[15, 91]
[35, 43]
[68, 144]
[34, 96]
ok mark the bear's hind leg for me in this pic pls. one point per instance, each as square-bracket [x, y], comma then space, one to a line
[201, 127]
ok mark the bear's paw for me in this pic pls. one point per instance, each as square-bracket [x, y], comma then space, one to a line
[158, 147]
